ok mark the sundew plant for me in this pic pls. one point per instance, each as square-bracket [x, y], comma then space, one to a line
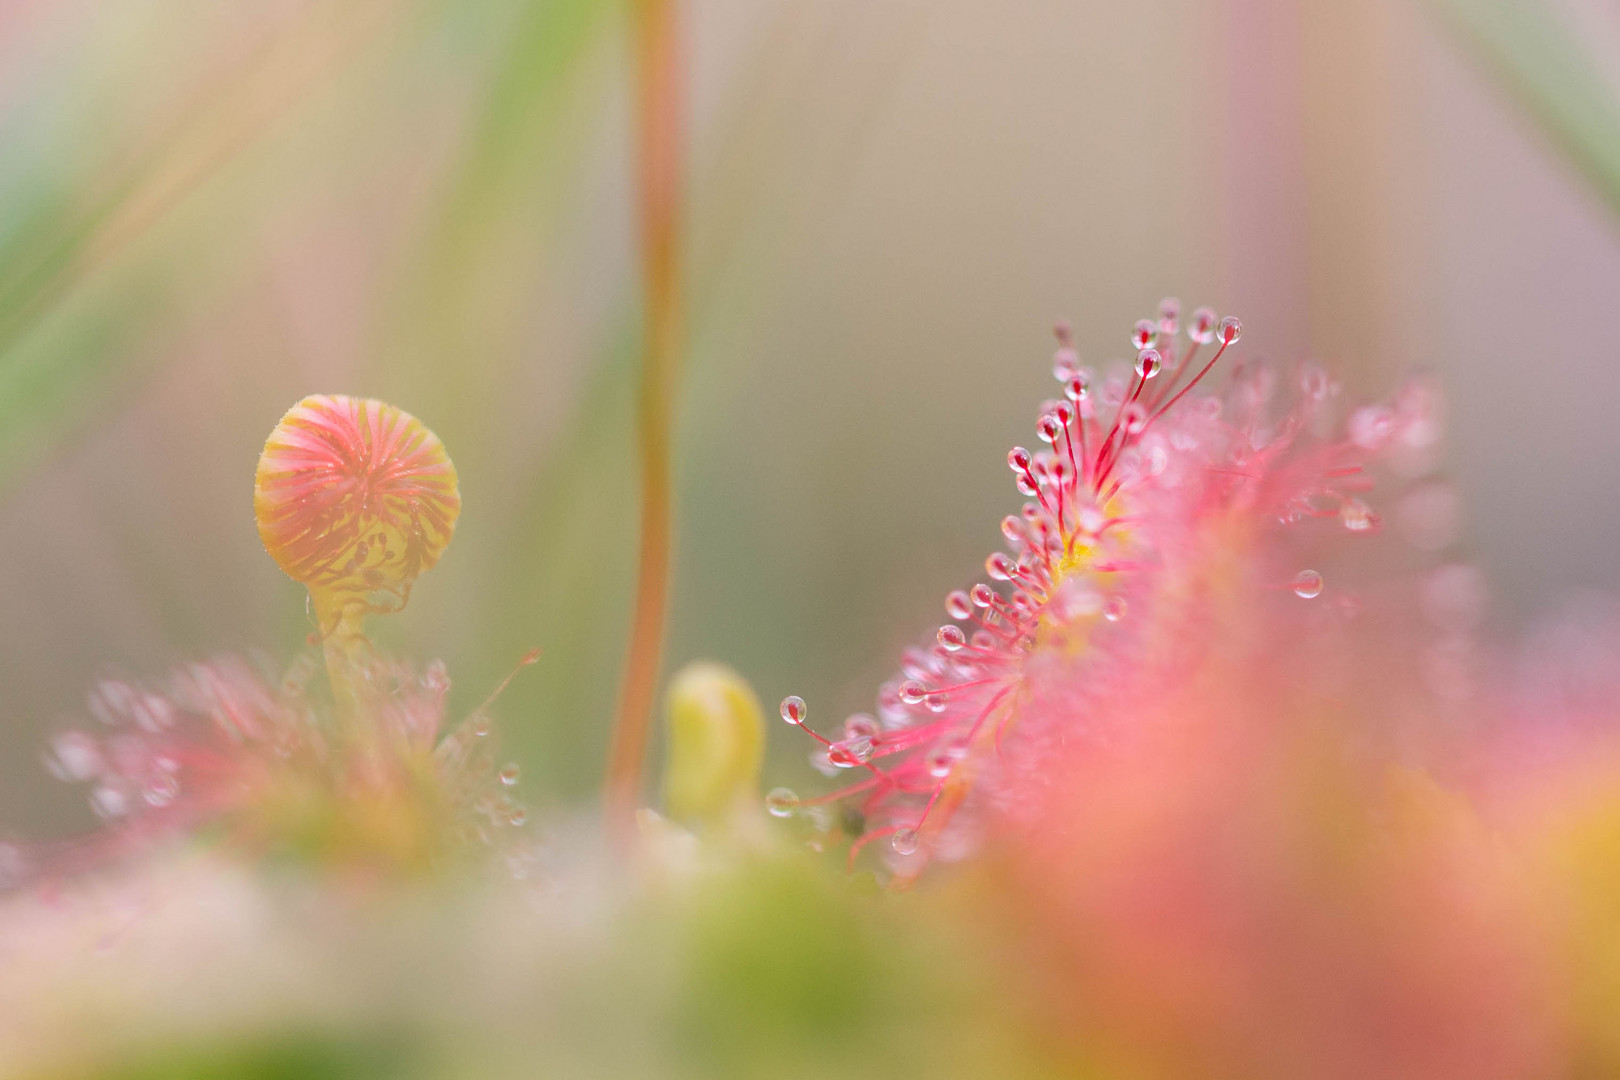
[1220, 765]
[1178, 805]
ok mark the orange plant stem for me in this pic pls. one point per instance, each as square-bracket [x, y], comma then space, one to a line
[658, 134]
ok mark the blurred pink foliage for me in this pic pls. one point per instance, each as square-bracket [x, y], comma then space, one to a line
[1235, 816]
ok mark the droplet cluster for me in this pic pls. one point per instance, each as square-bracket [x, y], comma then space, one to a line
[223, 741]
[1122, 455]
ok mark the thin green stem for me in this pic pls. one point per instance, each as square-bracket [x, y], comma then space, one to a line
[658, 133]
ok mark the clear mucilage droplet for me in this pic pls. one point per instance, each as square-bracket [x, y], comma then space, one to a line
[1065, 363]
[904, 841]
[781, 802]
[160, 791]
[74, 756]
[1169, 316]
[1202, 327]
[1357, 515]
[1307, 585]
[860, 725]
[108, 802]
[848, 753]
[436, 679]
[794, 710]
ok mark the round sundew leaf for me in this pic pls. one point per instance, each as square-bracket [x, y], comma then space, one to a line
[354, 498]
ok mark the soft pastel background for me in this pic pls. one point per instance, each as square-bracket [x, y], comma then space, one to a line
[208, 210]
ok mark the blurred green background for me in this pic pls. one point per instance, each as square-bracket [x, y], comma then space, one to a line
[208, 211]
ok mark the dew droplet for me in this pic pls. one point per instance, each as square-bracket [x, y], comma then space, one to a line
[436, 679]
[912, 692]
[1158, 458]
[108, 802]
[1018, 459]
[860, 725]
[1308, 585]
[794, 710]
[509, 775]
[957, 605]
[1114, 608]
[1202, 327]
[1313, 383]
[1076, 389]
[517, 816]
[917, 664]
[1142, 334]
[1148, 363]
[982, 595]
[1231, 330]
[848, 753]
[1357, 515]
[999, 567]
[1169, 316]
[160, 791]
[1371, 426]
[1065, 364]
[951, 636]
[1049, 429]
[937, 700]
[153, 713]
[75, 756]
[904, 841]
[1075, 599]
[1133, 417]
[781, 802]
